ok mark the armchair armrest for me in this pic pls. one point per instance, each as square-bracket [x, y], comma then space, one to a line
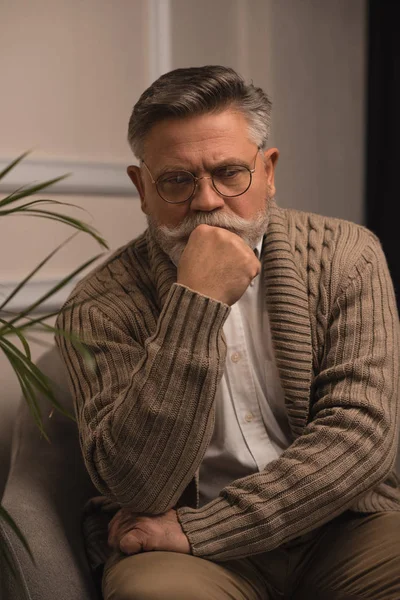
[45, 493]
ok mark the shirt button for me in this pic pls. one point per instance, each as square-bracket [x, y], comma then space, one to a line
[235, 357]
[249, 417]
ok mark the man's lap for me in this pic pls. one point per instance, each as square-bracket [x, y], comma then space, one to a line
[356, 556]
[353, 556]
[174, 576]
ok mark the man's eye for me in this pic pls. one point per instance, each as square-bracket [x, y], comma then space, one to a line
[176, 179]
[228, 172]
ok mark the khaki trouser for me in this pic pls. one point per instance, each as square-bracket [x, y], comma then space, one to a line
[353, 556]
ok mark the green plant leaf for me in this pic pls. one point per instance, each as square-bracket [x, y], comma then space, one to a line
[31, 322]
[5, 553]
[42, 201]
[21, 337]
[12, 524]
[46, 214]
[30, 190]
[13, 164]
[35, 270]
[38, 325]
[80, 225]
[50, 293]
[31, 375]
[8, 559]
[26, 388]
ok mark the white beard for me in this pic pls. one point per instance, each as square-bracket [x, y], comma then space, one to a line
[173, 240]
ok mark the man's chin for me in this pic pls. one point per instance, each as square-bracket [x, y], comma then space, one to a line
[173, 250]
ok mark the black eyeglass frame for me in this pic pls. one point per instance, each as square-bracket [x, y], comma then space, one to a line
[197, 179]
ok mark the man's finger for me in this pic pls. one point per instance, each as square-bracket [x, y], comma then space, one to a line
[132, 542]
[122, 522]
[117, 532]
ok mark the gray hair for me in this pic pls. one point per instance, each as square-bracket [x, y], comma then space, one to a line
[198, 90]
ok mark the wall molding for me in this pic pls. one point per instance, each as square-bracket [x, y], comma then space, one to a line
[34, 290]
[242, 37]
[160, 51]
[95, 178]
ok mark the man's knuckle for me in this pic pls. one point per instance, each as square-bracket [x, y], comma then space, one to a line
[202, 229]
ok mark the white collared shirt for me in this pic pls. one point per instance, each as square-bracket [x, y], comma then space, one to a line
[251, 427]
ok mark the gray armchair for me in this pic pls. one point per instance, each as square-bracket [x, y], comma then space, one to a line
[46, 489]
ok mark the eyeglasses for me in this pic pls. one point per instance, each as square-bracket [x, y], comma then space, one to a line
[177, 187]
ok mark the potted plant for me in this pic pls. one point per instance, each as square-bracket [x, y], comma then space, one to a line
[15, 327]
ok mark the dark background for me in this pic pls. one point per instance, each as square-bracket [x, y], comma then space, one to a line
[383, 130]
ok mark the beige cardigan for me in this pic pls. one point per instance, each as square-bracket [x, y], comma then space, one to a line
[145, 406]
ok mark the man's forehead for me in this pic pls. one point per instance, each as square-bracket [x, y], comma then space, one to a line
[223, 134]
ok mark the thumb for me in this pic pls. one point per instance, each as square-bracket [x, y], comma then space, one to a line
[132, 542]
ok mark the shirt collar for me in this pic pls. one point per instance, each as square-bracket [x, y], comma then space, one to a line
[258, 248]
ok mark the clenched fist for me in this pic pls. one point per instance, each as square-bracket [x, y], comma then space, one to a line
[217, 263]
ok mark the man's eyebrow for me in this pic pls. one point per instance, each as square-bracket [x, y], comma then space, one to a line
[226, 162]
[171, 168]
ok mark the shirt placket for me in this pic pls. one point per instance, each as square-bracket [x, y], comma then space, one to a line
[244, 395]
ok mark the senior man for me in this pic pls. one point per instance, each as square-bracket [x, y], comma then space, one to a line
[241, 410]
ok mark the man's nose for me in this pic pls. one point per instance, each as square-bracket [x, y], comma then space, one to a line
[206, 198]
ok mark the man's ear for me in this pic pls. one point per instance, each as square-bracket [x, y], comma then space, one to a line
[135, 176]
[271, 156]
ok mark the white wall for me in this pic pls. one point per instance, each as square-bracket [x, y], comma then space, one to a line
[70, 73]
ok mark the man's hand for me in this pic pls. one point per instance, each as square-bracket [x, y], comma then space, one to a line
[132, 533]
[218, 264]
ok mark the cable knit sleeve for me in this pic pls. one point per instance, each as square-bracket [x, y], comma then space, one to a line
[145, 407]
[348, 445]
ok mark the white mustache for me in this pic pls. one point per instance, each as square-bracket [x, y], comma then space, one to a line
[232, 223]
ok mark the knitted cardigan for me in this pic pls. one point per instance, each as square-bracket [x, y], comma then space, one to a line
[145, 400]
